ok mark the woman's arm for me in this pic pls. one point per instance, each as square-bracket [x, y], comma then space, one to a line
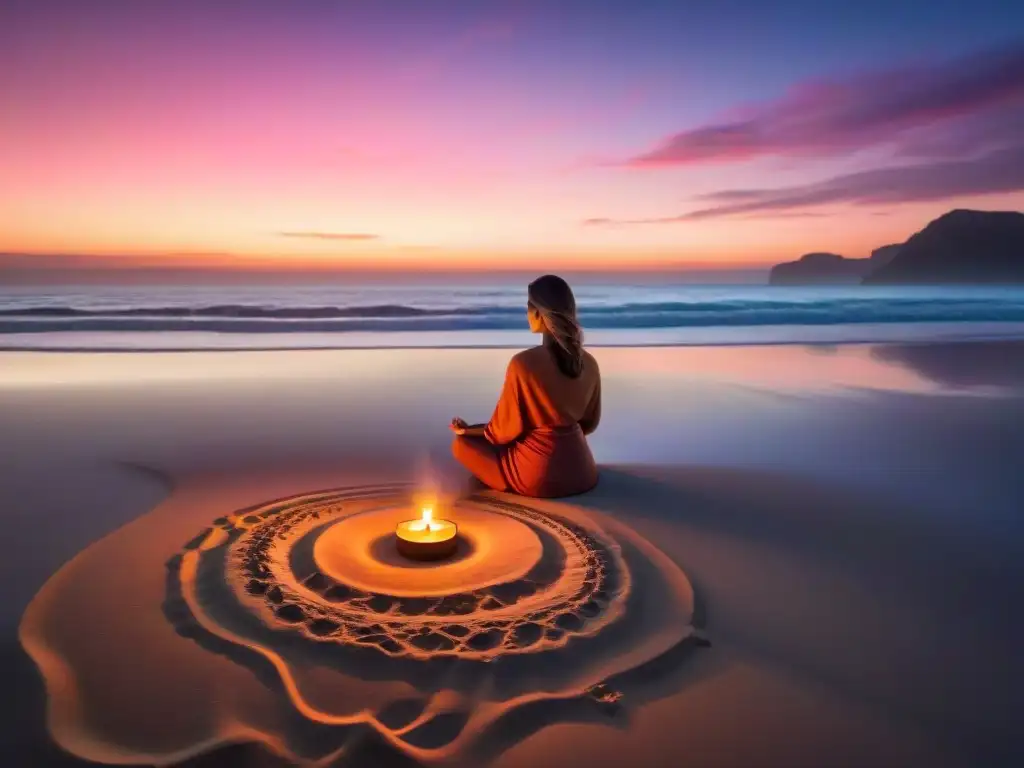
[461, 428]
[506, 424]
[592, 416]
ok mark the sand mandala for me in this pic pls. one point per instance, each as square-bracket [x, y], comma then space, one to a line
[542, 613]
[524, 582]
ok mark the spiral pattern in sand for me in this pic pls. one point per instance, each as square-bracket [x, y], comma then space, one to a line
[325, 566]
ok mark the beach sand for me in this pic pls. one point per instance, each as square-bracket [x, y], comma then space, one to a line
[795, 556]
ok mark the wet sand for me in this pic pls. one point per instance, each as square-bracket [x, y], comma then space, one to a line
[796, 556]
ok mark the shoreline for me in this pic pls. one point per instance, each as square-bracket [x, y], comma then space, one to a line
[723, 336]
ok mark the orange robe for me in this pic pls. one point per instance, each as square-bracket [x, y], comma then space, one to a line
[535, 441]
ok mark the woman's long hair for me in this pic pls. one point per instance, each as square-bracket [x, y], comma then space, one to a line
[552, 297]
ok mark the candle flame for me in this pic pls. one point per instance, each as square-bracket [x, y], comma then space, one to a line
[426, 521]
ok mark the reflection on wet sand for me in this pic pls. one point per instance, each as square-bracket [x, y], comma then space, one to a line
[958, 365]
[788, 368]
[890, 367]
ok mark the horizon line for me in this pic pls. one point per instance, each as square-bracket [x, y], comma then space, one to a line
[23, 263]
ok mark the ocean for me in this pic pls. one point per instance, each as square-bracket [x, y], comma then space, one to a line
[492, 314]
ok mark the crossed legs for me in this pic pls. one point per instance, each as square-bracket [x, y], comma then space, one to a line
[482, 459]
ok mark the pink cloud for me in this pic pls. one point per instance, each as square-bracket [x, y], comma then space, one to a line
[838, 116]
[997, 171]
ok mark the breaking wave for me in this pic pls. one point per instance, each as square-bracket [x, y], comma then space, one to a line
[236, 318]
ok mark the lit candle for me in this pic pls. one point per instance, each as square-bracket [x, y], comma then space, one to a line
[426, 538]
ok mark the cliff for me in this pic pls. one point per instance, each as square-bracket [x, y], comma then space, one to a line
[959, 247]
[885, 254]
[820, 269]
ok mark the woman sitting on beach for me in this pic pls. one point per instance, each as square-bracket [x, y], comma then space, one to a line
[535, 442]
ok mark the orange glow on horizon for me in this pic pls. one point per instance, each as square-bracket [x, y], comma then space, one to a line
[384, 260]
[63, 235]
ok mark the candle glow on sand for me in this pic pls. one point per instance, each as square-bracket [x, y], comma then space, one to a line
[426, 538]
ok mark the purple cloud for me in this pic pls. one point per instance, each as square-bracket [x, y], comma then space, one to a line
[330, 235]
[991, 129]
[997, 171]
[842, 115]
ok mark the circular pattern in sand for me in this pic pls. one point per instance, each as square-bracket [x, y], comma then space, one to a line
[359, 550]
[521, 580]
[548, 612]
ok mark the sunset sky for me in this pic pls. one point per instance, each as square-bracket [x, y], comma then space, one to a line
[501, 134]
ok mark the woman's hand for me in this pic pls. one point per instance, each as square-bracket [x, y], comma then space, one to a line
[458, 426]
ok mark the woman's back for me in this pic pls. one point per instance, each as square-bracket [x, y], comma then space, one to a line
[540, 424]
[535, 443]
[537, 395]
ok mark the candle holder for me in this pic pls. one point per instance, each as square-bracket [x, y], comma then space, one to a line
[426, 538]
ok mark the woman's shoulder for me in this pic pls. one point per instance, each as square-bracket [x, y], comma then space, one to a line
[539, 358]
[527, 360]
[529, 356]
